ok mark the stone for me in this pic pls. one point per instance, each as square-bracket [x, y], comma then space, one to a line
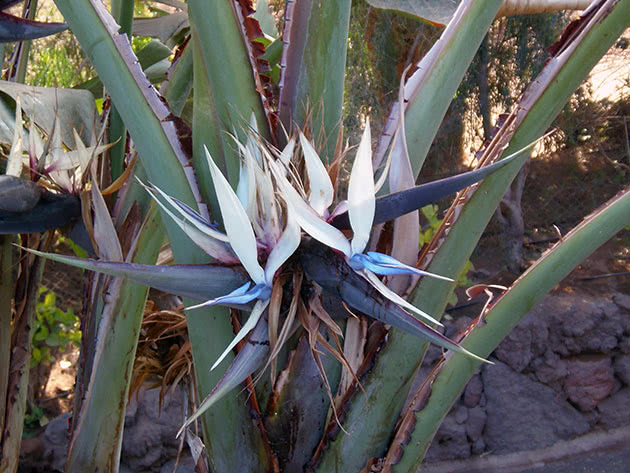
[524, 343]
[550, 370]
[523, 414]
[475, 423]
[185, 465]
[461, 414]
[589, 380]
[149, 439]
[472, 392]
[621, 366]
[450, 441]
[622, 300]
[614, 411]
[478, 447]
[581, 324]
[55, 441]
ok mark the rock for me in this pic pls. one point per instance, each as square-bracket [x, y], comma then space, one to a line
[525, 342]
[550, 370]
[581, 324]
[186, 465]
[523, 414]
[589, 380]
[623, 301]
[461, 414]
[149, 439]
[472, 393]
[475, 423]
[621, 366]
[55, 440]
[614, 411]
[450, 441]
[478, 447]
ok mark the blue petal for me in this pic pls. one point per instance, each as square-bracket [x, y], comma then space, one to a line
[239, 296]
[386, 265]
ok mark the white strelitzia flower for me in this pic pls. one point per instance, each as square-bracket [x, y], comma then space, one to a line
[251, 220]
[312, 217]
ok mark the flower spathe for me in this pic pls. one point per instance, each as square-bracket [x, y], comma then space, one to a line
[242, 240]
[361, 206]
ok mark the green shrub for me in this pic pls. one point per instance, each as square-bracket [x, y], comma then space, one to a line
[53, 330]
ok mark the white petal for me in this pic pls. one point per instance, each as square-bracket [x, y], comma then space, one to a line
[361, 199]
[306, 217]
[321, 189]
[242, 190]
[252, 139]
[250, 193]
[257, 311]
[392, 296]
[104, 232]
[287, 153]
[35, 144]
[14, 164]
[197, 222]
[216, 248]
[284, 248]
[237, 225]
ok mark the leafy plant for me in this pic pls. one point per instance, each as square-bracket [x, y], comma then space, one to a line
[34, 419]
[53, 329]
[271, 248]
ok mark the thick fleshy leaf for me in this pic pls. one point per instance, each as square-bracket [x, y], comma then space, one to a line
[439, 12]
[52, 211]
[285, 247]
[332, 273]
[249, 359]
[361, 199]
[252, 320]
[394, 205]
[306, 217]
[237, 224]
[13, 28]
[321, 192]
[201, 282]
[161, 27]
[49, 108]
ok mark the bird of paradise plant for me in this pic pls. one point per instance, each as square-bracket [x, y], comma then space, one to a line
[275, 247]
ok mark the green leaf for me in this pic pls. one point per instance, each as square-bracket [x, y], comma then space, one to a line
[429, 91]
[432, 11]
[154, 52]
[505, 314]
[41, 334]
[73, 108]
[314, 66]
[393, 368]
